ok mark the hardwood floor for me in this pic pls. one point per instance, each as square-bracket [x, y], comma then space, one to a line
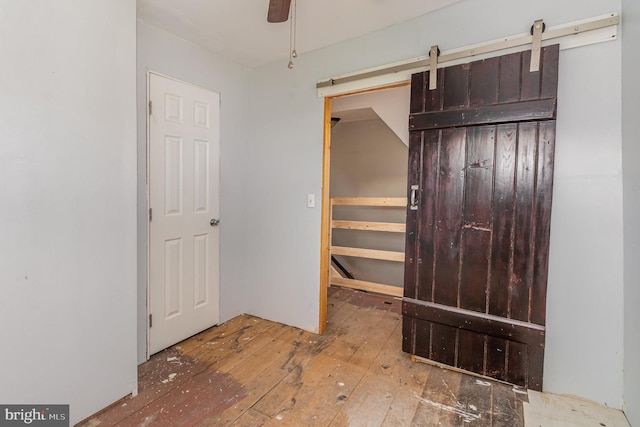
[253, 372]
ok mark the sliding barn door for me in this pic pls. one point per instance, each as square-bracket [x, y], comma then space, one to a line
[480, 180]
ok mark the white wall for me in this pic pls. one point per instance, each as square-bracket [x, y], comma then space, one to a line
[631, 174]
[67, 223]
[585, 317]
[391, 105]
[166, 54]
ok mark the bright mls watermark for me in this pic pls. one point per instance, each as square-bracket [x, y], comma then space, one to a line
[34, 415]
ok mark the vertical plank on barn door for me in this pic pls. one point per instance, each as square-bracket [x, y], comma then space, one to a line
[481, 152]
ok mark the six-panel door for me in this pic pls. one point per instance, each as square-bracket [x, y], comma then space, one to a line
[184, 199]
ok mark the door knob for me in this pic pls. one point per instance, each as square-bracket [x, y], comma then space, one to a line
[214, 222]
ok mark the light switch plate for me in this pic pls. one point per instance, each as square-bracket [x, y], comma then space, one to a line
[311, 200]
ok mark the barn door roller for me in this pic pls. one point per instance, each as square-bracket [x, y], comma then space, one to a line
[536, 45]
[537, 29]
[433, 67]
[569, 35]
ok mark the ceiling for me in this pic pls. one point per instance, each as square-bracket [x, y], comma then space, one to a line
[238, 29]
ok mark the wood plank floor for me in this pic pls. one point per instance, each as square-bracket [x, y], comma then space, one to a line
[253, 372]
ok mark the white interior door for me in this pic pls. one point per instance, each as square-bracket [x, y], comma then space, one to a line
[184, 201]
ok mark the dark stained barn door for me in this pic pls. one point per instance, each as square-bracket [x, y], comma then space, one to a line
[481, 155]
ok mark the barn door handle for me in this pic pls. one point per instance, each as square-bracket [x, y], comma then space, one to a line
[413, 203]
[214, 222]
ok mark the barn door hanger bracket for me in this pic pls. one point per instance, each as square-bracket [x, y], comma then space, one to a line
[536, 45]
[434, 52]
[597, 29]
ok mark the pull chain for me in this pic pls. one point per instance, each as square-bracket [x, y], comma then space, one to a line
[292, 36]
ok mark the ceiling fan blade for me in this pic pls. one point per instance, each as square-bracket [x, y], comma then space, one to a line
[278, 10]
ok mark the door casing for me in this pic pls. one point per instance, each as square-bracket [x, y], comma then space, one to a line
[325, 231]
